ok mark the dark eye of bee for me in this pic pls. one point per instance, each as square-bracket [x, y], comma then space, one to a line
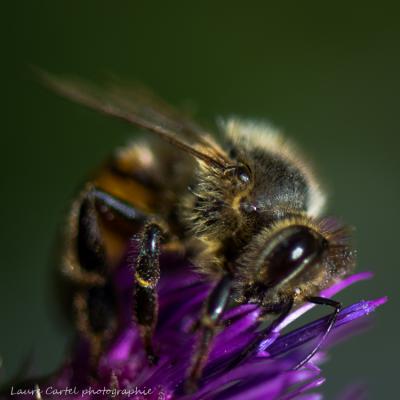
[243, 173]
[291, 251]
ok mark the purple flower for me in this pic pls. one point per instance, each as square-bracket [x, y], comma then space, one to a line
[123, 370]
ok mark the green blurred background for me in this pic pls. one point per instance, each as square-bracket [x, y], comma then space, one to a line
[327, 74]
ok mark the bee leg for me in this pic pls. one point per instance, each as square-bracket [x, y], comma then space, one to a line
[96, 308]
[147, 274]
[95, 303]
[331, 322]
[117, 206]
[263, 334]
[207, 326]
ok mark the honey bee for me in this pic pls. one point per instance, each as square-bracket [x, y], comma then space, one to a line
[247, 209]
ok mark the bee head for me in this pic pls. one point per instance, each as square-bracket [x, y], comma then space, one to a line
[293, 258]
[214, 208]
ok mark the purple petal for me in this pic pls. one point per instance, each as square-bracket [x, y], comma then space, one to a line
[304, 388]
[182, 293]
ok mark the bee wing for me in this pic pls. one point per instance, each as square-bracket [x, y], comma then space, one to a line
[139, 107]
[145, 103]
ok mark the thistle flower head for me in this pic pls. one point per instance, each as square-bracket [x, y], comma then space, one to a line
[123, 371]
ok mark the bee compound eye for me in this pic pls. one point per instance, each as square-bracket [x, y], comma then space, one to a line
[291, 251]
[242, 172]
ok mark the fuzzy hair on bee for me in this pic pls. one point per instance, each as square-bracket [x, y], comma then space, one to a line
[246, 209]
[280, 185]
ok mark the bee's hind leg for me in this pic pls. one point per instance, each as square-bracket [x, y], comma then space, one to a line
[96, 309]
[94, 301]
[95, 298]
[147, 274]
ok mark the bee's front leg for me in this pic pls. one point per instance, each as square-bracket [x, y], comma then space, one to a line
[147, 274]
[215, 306]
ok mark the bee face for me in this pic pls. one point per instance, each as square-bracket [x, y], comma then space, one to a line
[262, 182]
[285, 249]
